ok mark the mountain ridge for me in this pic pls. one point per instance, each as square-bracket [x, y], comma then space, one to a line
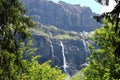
[62, 15]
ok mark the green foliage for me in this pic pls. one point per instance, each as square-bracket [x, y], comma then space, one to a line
[32, 70]
[29, 68]
[7, 68]
[35, 71]
[13, 31]
[16, 59]
[104, 63]
[13, 25]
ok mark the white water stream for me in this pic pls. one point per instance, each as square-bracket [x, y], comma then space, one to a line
[64, 58]
[84, 36]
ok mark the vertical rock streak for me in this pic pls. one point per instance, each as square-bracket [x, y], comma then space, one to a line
[52, 51]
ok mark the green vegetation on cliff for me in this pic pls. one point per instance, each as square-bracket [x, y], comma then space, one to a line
[54, 32]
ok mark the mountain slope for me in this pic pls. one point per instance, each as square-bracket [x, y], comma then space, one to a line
[60, 36]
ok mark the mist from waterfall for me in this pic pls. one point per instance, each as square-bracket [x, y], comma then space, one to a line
[64, 58]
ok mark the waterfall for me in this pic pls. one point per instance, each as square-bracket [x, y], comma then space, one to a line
[84, 36]
[85, 43]
[86, 49]
[64, 58]
[52, 51]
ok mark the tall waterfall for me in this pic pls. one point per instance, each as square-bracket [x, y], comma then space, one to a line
[64, 58]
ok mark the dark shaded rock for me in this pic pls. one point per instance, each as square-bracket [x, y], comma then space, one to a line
[43, 48]
[74, 52]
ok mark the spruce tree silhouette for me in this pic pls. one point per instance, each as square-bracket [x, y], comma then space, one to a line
[114, 13]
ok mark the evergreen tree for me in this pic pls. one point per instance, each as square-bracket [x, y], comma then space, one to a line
[14, 25]
[13, 31]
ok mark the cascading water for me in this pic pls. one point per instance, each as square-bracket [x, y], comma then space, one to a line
[64, 58]
[52, 51]
[84, 36]
[86, 49]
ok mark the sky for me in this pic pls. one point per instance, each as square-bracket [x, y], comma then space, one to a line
[96, 7]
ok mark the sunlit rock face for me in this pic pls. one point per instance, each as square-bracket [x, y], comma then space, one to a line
[62, 15]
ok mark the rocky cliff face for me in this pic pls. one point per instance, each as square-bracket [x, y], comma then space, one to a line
[73, 50]
[66, 44]
[66, 49]
[62, 15]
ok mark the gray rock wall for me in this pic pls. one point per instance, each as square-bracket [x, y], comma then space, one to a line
[62, 15]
